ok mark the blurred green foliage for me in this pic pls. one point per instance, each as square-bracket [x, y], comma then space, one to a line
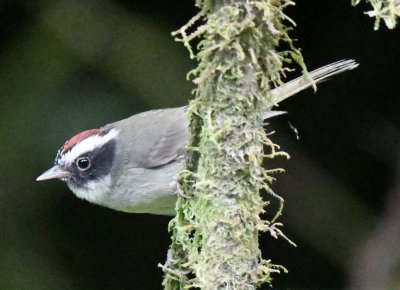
[67, 66]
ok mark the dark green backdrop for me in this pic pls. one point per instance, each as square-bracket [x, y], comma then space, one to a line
[67, 66]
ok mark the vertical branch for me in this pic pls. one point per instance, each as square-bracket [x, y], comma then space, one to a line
[215, 232]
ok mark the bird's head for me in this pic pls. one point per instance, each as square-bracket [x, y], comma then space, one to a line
[85, 162]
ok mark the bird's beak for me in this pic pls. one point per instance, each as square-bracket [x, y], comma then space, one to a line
[54, 172]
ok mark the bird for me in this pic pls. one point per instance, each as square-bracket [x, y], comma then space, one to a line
[132, 165]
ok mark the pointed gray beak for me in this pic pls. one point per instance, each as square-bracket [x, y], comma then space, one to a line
[54, 172]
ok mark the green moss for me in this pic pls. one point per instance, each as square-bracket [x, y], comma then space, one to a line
[215, 232]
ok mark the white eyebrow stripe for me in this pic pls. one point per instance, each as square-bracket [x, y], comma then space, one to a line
[87, 145]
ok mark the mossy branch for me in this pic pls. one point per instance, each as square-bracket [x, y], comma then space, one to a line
[386, 10]
[215, 232]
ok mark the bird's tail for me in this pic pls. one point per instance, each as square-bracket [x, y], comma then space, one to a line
[294, 86]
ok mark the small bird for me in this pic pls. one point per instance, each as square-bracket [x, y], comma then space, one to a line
[131, 165]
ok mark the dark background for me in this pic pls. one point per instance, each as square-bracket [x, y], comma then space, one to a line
[67, 66]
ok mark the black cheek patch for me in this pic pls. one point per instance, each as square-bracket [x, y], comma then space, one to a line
[101, 160]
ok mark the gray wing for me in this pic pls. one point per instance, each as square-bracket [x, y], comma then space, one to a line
[152, 138]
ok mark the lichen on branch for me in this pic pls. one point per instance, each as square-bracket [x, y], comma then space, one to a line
[215, 232]
[386, 10]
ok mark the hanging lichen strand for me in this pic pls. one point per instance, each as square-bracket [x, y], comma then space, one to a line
[215, 233]
[386, 10]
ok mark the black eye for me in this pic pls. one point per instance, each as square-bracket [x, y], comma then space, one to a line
[83, 163]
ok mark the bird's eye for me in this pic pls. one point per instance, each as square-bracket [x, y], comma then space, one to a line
[83, 163]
